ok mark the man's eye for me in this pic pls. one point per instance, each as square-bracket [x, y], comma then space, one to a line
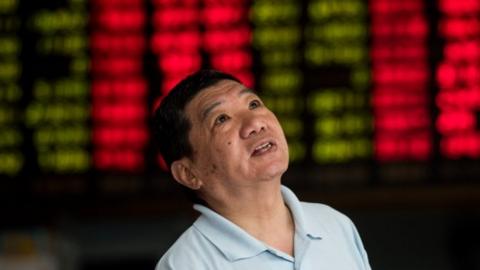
[254, 104]
[221, 119]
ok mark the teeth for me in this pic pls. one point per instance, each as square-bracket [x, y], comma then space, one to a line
[265, 145]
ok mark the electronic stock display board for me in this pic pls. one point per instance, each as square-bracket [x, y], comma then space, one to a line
[368, 92]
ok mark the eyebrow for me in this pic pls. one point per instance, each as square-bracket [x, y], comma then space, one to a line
[207, 111]
[246, 91]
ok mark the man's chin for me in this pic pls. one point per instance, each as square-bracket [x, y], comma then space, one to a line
[275, 171]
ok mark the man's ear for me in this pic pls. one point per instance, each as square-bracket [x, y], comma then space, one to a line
[183, 174]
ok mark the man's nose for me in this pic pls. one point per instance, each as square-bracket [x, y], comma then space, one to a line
[252, 125]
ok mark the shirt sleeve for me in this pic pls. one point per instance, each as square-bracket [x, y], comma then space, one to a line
[360, 248]
[163, 266]
[168, 264]
[183, 259]
[177, 263]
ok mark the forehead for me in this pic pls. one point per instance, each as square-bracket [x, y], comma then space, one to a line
[218, 93]
[220, 90]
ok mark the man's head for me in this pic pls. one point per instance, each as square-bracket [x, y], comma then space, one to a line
[217, 136]
[170, 124]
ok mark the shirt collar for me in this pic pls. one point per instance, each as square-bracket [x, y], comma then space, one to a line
[304, 225]
[234, 242]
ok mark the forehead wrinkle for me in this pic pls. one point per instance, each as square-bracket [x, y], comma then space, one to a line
[246, 91]
[207, 111]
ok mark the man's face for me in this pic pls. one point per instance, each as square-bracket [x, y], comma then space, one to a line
[236, 140]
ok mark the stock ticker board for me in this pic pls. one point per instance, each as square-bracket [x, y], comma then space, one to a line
[368, 92]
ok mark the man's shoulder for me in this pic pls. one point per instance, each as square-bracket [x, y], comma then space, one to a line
[183, 252]
[320, 208]
[339, 230]
[192, 250]
[324, 214]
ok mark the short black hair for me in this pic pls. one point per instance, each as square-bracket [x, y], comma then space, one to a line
[170, 123]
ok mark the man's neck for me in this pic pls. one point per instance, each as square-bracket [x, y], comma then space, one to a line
[263, 214]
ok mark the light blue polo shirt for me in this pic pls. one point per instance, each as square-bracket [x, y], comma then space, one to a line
[324, 239]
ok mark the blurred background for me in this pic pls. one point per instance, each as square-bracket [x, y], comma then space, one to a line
[379, 100]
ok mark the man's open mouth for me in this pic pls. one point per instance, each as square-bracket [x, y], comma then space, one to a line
[263, 148]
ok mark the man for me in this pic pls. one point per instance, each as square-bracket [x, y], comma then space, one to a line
[219, 140]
